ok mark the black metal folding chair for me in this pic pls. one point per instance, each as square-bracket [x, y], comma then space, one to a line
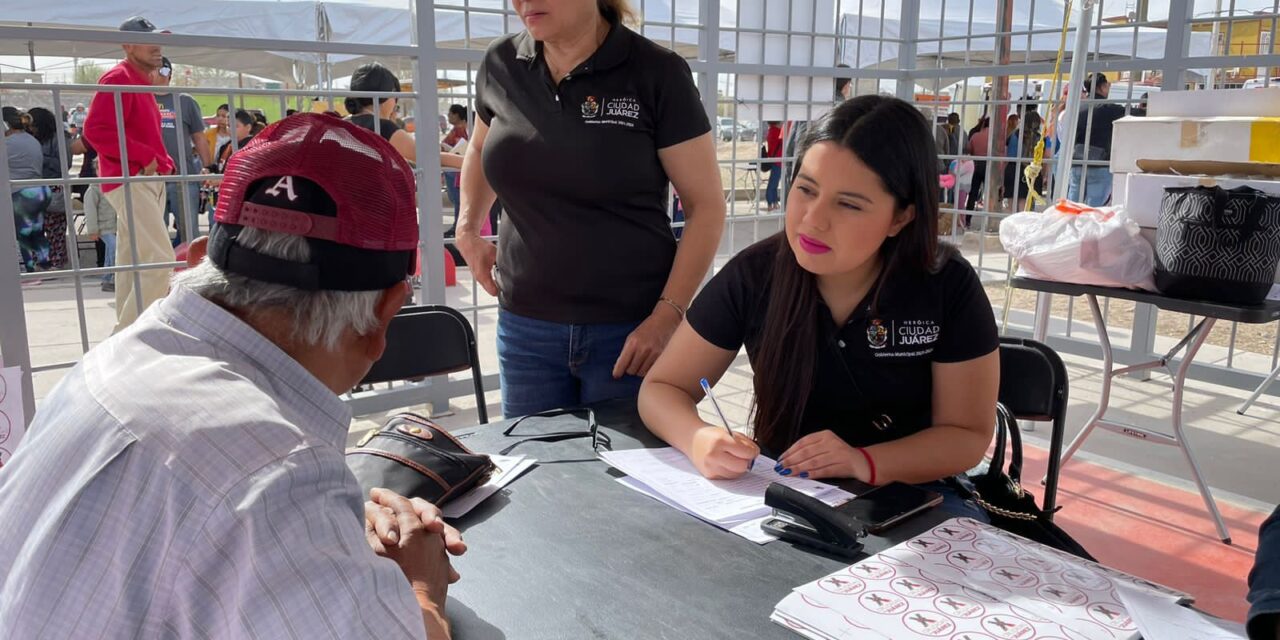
[429, 340]
[1033, 386]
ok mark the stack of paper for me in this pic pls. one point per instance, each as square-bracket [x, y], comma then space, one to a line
[509, 468]
[736, 505]
[1159, 619]
[965, 577]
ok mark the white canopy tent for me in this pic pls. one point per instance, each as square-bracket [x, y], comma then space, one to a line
[869, 40]
[307, 20]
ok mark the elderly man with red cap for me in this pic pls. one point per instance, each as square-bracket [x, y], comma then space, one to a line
[187, 478]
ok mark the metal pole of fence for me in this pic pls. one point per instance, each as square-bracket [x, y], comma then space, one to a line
[427, 173]
[907, 49]
[69, 233]
[126, 183]
[1079, 57]
[14, 348]
[430, 215]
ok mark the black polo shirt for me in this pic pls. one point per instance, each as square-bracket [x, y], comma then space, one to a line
[876, 364]
[586, 237]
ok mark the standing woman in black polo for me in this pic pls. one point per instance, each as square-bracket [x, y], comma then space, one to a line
[581, 125]
[874, 347]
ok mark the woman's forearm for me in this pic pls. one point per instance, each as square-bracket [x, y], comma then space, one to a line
[476, 195]
[704, 222]
[934, 453]
[669, 413]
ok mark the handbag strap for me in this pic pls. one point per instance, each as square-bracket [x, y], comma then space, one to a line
[1006, 433]
[996, 467]
[1257, 206]
[1015, 443]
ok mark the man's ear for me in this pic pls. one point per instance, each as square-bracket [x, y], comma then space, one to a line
[197, 250]
[389, 304]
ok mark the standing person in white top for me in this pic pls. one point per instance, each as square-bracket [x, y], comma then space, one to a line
[187, 479]
[100, 224]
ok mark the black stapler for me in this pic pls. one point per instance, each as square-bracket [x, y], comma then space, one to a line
[808, 521]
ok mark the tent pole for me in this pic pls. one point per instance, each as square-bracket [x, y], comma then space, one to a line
[1079, 57]
[999, 91]
[1067, 137]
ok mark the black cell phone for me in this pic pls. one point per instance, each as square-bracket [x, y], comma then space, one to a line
[883, 507]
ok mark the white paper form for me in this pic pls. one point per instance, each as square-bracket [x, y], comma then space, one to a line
[509, 468]
[670, 474]
[1160, 619]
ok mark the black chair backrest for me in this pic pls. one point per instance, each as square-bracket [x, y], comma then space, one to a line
[1033, 386]
[1033, 382]
[429, 340]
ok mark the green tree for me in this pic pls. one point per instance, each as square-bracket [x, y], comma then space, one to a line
[88, 73]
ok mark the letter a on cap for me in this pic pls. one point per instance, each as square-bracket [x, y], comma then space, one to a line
[285, 183]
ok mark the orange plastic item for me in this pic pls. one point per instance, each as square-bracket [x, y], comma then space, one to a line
[1076, 208]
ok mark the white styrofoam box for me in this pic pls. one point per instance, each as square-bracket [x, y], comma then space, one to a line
[1255, 103]
[1194, 140]
[1119, 186]
[1144, 191]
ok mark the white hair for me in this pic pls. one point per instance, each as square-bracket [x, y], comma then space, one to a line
[318, 318]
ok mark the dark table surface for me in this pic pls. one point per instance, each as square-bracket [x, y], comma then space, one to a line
[1248, 313]
[565, 551]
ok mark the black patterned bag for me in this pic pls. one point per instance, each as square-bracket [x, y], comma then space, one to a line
[1218, 245]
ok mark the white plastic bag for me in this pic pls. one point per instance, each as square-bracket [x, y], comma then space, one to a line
[1072, 242]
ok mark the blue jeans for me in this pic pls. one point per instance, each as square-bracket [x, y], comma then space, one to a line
[178, 206]
[771, 195]
[547, 365]
[109, 255]
[1097, 185]
[451, 187]
[954, 503]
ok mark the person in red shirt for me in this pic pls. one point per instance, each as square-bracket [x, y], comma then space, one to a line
[140, 226]
[773, 149]
[457, 118]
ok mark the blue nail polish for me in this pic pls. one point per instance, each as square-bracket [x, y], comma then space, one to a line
[786, 472]
[804, 474]
[751, 465]
[777, 468]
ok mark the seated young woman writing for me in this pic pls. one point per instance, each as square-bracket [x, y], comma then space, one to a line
[874, 348]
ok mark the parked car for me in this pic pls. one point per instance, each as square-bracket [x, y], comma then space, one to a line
[1258, 83]
[727, 129]
[724, 129]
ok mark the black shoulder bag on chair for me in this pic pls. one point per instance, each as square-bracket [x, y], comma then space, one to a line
[1010, 506]
[417, 458]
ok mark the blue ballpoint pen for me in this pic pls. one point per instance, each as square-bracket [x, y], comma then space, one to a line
[706, 388]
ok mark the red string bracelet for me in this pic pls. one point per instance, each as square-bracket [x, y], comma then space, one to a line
[870, 464]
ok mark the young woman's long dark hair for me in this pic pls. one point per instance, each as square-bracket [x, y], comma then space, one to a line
[893, 139]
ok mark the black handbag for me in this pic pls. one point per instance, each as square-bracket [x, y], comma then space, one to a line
[1011, 507]
[417, 458]
[1217, 244]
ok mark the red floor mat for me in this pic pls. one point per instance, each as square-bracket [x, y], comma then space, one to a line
[1155, 531]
